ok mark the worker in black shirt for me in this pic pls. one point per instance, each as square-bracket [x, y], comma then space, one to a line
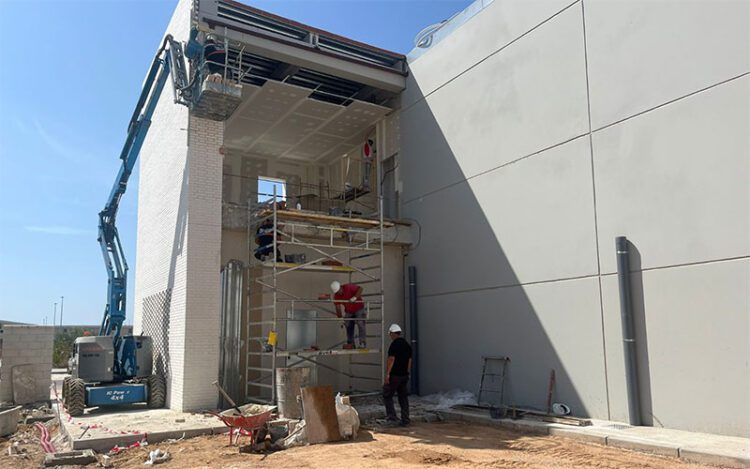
[397, 376]
[216, 58]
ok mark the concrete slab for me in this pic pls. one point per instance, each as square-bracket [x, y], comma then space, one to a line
[76, 458]
[101, 430]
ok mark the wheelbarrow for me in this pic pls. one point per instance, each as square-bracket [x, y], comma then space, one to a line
[249, 421]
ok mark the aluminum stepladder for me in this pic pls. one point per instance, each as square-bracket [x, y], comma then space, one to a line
[482, 389]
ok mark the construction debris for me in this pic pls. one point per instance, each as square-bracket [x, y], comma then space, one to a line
[9, 420]
[83, 457]
[157, 456]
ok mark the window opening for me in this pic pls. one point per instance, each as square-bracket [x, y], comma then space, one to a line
[266, 187]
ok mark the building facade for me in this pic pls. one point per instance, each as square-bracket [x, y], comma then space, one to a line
[518, 144]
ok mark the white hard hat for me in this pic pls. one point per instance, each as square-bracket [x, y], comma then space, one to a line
[335, 286]
[394, 328]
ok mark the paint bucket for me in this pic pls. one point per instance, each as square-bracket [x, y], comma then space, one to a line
[289, 382]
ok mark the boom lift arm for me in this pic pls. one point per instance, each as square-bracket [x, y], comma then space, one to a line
[169, 60]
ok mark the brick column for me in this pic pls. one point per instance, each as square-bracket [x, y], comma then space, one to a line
[203, 302]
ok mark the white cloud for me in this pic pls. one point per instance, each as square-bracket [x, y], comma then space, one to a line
[60, 230]
[60, 148]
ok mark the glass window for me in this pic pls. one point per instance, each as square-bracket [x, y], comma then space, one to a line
[266, 186]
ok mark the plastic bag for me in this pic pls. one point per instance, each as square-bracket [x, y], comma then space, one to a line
[348, 418]
[298, 437]
[157, 456]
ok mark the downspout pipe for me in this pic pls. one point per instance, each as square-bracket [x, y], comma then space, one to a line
[628, 330]
[413, 330]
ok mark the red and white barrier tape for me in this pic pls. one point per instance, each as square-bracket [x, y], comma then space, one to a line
[98, 426]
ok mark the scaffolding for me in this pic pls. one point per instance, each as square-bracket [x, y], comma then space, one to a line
[349, 245]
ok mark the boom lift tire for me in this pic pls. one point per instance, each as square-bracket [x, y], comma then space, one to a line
[157, 391]
[75, 399]
[66, 382]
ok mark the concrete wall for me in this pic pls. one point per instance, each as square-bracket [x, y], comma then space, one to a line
[30, 349]
[532, 136]
[178, 244]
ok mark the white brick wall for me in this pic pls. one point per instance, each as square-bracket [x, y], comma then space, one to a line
[162, 235]
[26, 345]
[202, 318]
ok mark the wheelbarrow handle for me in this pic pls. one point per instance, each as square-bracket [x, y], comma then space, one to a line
[226, 396]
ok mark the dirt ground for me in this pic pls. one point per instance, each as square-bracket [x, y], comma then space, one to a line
[29, 452]
[453, 445]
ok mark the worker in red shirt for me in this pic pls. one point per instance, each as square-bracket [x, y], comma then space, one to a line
[348, 301]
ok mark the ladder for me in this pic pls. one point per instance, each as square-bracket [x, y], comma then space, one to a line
[489, 361]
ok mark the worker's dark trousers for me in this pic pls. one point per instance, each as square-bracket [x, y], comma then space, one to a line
[361, 327]
[397, 384]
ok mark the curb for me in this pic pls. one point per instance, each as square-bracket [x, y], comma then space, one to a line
[644, 446]
[600, 436]
[717, 459]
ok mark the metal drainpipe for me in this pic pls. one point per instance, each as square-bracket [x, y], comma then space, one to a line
[628, 331]
[413, 329]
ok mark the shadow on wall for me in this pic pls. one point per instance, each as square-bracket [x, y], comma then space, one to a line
[641, 337]
[470, 301]
[157, 308]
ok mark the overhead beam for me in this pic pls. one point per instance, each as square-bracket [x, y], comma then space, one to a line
[307, 56]
[284, 70]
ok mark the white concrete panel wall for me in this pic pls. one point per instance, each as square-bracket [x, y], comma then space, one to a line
[662, 50]
[521, 100]
[693, 328]
[501, 23]
[683, 169]
[533, 136]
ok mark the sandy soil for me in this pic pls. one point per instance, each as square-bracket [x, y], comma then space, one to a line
[29, 452]
[451, 445]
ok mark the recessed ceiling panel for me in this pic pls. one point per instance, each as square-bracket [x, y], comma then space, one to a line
[356, 118]
[294, 128]
[274, 101]
[281, 120]
[242, 133]
[270, 149]
[319, 109]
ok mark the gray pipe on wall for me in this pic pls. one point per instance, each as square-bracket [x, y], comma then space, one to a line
[413, 330]
[628, 330]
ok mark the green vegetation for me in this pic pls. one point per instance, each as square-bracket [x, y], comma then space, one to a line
[63, 346]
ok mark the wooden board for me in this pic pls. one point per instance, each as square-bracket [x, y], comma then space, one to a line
[321, 421]
[313, 217]
[309, 268]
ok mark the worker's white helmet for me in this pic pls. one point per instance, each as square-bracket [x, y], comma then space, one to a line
[335, 286]
[394, 328]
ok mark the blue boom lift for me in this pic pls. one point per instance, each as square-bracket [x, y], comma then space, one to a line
[112, 369]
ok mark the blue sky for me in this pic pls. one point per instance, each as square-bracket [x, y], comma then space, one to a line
[70, 76]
